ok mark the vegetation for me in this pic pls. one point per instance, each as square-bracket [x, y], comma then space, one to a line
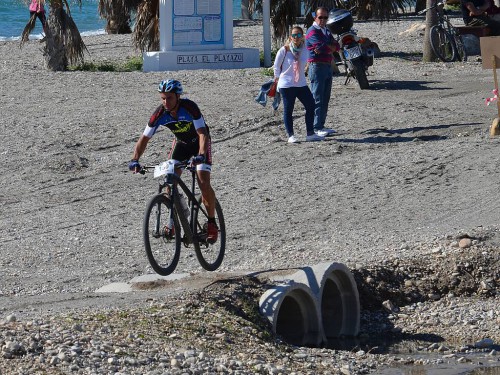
[284, 13]
[132, 64]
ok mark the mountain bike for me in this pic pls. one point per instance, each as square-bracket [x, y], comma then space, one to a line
[445, 39]
[168, 212]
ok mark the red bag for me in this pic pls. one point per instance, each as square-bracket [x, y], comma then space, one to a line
[273, 89]
[274, 86]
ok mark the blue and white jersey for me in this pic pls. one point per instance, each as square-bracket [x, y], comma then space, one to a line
[184, 127]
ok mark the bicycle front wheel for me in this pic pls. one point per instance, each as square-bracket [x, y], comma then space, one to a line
[210, 255]
[442, 44]
[162, 238]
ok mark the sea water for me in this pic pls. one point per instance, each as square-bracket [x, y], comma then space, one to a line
[14, 14]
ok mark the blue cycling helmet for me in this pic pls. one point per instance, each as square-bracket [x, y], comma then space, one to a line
[170, 85]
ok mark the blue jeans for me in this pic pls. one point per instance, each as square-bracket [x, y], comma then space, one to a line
[321, 76]
[289, 94]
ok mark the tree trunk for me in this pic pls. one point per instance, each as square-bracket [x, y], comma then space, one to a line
[54, 50]
[245, 14]
[430, 20]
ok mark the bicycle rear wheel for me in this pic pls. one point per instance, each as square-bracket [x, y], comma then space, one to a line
[162, 243]
[209, 255]
[441, 43]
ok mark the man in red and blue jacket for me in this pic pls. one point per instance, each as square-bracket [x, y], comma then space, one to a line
[321, 45]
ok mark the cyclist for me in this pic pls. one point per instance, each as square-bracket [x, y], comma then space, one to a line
[192, 140]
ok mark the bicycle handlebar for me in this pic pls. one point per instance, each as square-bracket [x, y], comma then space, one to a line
[432, 7]
[186, 164]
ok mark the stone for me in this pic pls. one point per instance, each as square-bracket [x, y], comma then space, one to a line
[465, 243]
[389, 306]
[484, 343]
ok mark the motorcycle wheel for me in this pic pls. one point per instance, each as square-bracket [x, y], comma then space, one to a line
[359, 71]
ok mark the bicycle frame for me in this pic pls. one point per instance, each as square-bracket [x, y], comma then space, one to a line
[166, 224]
[445, 39]
[172, 181]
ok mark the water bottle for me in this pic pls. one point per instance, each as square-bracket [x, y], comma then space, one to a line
[185, 208]
[170, 223]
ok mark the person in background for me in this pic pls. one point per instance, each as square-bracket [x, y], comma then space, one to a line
[320, 46]
[289, 70]
[493, 11]
[475, 13]
[37, 9]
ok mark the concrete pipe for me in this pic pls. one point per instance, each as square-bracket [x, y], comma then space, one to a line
[339, 302]
[337, 297]
[292, 310]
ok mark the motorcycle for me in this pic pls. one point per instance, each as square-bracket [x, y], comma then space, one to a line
[355, 58]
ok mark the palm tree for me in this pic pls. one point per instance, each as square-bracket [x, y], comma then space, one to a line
[147, 26]
[63, 42]
[118, 15]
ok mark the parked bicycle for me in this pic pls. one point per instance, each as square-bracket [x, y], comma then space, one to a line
[168, 212]
[445, 39]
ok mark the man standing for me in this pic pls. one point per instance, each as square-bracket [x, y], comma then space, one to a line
[320, 46]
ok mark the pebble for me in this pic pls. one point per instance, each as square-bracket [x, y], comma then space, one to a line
[465, 243]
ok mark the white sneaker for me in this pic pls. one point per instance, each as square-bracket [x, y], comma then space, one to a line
[292, 139]
[325, 132]
[314, 138]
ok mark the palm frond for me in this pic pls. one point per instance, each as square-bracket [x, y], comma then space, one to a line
[27, 30]
[64, 43]
[118, 14]
[384, 9]
[147, 26]
[311, 6]
[75, 47]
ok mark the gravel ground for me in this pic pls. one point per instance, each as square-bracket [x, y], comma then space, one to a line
[410, 176]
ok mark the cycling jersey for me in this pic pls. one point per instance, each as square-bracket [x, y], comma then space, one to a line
[189, 119]
[184, 127]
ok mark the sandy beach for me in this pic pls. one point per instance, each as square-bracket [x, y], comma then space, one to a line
[411, 171]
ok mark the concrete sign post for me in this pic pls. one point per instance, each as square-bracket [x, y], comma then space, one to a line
[198, 34]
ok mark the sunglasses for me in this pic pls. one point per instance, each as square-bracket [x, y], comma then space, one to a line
[323, 18]
[298, 35]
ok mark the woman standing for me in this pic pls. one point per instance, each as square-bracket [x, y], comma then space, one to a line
[289, 70]
[37, 8]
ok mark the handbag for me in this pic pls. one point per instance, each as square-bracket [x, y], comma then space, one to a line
[274, 86]
[273, 89]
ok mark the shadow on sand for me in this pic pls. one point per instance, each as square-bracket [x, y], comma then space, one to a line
[384, 135]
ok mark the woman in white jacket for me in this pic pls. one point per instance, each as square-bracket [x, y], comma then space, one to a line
[289, 70]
